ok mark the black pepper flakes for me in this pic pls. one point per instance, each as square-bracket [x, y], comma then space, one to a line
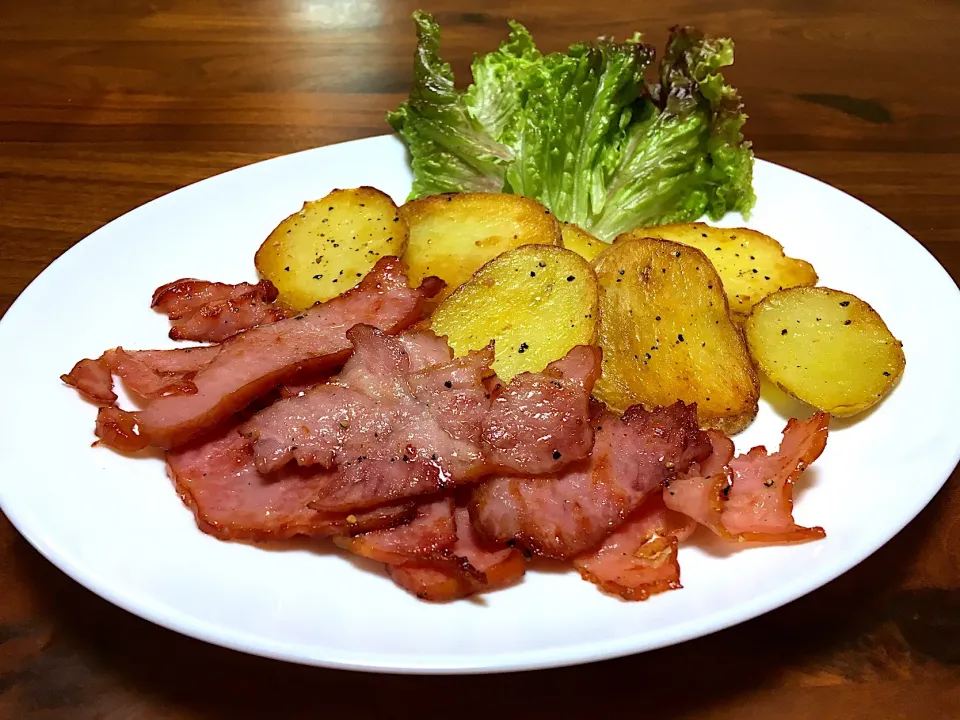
[783, 332]
[523, 348]
[556, 454]
[847, 322]
[769, 483]
[570, 278]
[533, 274]
[679, 338]
[448, 384]
[844, 303]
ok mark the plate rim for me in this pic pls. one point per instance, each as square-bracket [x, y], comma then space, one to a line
[509, 661]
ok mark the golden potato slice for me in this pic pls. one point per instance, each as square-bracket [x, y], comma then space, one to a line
[535, 302]
[581, 242]
[825, 347]
[452, 236]
[752, 265]
[667, 335]
[327, 247]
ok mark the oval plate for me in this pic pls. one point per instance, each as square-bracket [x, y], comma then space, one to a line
[115, 524]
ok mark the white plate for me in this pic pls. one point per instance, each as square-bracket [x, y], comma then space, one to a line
[117, 527]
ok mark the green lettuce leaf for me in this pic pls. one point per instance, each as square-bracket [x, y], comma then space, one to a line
[576, 109]
[449, 148]
[581, 131]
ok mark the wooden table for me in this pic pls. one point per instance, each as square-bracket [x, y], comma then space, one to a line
[106, 105]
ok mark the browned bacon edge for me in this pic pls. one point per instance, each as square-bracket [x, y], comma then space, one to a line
[173, 420]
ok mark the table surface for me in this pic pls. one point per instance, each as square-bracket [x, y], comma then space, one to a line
[106, 105]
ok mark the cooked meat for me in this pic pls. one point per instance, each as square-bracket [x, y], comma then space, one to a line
[639, 558]
[566, 515]
[257, 361]
[389, 433]
[212, 312]
[218, 480]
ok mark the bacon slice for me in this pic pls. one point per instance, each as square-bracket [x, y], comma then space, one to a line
[147, 373]
[369, 425]
[218, 480]
[143, 380]
[540, 421]
[386, 432]
[92, 379]
[255, 362]
[564, 516]
[431, 532]
[701, 492]
[750, 497]
[212, 312]
[639, 559]
[759, 505]
[471, 566]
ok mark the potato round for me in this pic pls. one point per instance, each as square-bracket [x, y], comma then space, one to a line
[825, 347]
[535, 302]
[330, 244]
[750, 264]
[667, 335]
[452, 236]
[581, 242]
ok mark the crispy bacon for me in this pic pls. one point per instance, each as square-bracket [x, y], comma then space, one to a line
[147, 373]
[92, 379]
[701, 492]
[212, 312]
[471, 566]
[387, 433]
[143, 380]
[218, 480]
[639, 559]
[255, 362]
[430, 533]
[759, 505]
[566, 515]
[750, 496]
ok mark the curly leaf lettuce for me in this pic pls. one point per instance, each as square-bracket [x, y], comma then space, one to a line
[450, 149]
[581, 131]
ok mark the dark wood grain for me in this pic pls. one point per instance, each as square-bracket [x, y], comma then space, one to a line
[105, 105]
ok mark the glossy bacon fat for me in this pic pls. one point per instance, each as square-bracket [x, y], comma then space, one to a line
[387, 428]
[211, 312]
[563, 516]
[255, 362]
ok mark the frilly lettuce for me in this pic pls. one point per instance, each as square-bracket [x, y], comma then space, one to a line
[582, 131]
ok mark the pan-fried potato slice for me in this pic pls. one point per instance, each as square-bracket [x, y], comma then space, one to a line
[825, 347]
[327, 247]
[581, 242]
[452, 236]
[667, 335]
[752, 265]
[535, 302]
